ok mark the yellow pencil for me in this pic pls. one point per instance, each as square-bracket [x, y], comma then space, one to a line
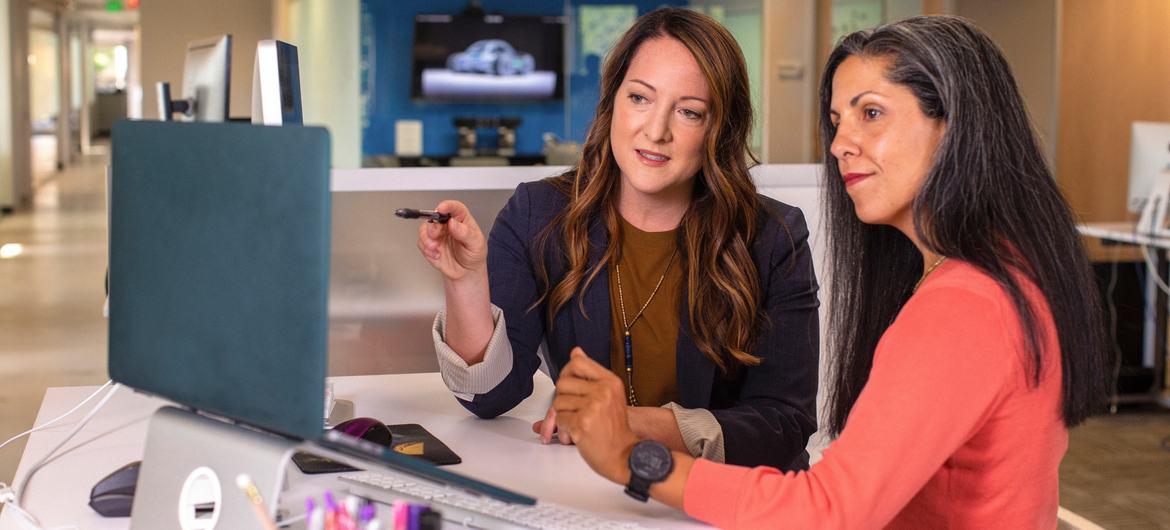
[245, 483]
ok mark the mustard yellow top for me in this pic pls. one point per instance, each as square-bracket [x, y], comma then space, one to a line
[644, 258]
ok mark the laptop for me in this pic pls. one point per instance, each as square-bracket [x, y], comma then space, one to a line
[219, 269]
[219, 280]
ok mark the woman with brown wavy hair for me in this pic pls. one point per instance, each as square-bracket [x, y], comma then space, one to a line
[655, 255]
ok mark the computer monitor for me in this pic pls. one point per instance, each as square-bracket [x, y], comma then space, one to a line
[276, 85]
[206, 83]
[1149, 155]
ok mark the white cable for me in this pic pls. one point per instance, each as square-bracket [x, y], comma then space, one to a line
[58, 418]
[1117, 355]
[26, 520]
[1150, 264]
[8, 494]
[1153, 269]
[19, 488]
[14, 496]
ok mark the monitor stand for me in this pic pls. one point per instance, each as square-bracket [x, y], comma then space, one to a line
[167, 106]
[1154, 220]
[189, 469]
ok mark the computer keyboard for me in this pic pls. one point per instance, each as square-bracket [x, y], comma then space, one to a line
[475, 511]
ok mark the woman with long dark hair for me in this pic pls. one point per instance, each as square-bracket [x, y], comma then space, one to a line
[965, 328]
[655, 255]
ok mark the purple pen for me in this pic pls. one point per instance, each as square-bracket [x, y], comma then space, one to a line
[367, 514]
[332, 511]
[414, 521]
[314, 517]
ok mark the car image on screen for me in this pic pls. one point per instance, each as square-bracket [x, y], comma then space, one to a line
[491, 56]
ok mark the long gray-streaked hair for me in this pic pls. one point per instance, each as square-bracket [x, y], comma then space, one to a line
[989, 199]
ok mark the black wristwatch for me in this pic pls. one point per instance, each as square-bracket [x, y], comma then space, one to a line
[650, 462]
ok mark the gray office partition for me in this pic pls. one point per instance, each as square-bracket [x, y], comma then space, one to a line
[383, 295]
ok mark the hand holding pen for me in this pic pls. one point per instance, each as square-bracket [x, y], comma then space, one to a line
[455, 246]
[459, 251]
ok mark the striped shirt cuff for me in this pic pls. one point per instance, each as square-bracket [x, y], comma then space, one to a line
[701, 432]
[467, 381]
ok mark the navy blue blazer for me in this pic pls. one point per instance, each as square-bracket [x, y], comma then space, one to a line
[767, 412]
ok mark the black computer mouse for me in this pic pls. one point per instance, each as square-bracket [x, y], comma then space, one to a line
[113, 496]
[366, 429]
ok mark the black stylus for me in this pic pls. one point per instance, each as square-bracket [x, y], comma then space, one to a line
[433, 216]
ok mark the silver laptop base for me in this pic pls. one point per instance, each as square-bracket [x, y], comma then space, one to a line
[189, 469]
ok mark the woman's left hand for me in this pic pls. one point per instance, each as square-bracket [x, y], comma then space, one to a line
[591, 406]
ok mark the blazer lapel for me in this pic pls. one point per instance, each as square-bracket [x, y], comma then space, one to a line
[592, 333]
[695, 372]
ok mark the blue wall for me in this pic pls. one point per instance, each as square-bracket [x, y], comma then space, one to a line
[387, 38]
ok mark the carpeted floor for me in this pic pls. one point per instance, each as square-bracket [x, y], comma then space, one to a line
[1117, 470]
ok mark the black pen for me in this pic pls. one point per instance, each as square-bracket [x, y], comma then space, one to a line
[433, 216]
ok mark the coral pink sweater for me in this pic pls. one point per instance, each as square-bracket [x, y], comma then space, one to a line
[947, 433]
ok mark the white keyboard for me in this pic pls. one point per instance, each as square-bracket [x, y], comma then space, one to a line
[462, 508]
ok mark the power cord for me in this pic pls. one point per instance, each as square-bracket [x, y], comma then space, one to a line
[1153, 269]
[1110, 287]
[27, 520]
[58, 418]
[13, 496]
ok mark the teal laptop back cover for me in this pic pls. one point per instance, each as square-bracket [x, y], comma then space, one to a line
[219, 269]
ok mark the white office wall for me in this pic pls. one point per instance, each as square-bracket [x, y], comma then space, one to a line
[15, 150]
[789, 81]
[168, 25]
[87, 94]
[44, 72]
[135, 91]
[5, 111]
[76, 79]
[327, 36]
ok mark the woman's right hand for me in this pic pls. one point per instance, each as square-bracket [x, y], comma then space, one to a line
[547, 429]
[456, 248]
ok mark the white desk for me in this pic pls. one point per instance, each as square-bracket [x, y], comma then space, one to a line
[1154, 350]
[502, 451]
[1122, 232]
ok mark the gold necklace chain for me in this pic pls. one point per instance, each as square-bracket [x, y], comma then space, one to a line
[621, 299]
[929, 270]
[631, 398]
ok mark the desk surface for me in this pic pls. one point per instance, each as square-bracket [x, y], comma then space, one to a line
[1123, 232]
[116, 435]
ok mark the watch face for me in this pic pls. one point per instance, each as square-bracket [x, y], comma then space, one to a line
[651, 461]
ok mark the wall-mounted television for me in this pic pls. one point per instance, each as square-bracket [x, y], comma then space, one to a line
[488, 58]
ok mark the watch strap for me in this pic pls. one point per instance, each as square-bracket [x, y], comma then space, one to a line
[638, 488]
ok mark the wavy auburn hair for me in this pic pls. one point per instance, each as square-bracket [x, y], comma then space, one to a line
[721, 284]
